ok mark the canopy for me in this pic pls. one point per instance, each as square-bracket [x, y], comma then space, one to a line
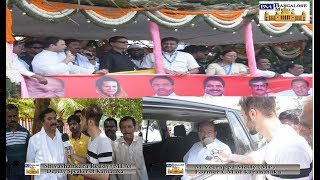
[192, 29]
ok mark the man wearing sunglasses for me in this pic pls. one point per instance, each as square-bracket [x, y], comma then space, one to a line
[116, 60]
[32, 48]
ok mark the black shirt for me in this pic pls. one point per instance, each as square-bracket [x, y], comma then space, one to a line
[28, 59]
[116, 62]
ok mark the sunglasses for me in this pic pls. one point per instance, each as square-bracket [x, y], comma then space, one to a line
[124, 42]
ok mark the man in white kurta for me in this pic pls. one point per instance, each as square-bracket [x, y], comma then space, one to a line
[54, 61]
[174, 62]
[128, 149]
[202, 154]
[46, 146]
[21, 66]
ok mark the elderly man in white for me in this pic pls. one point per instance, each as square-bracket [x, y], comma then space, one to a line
[54, 61]
[203, 152]
[46, 146]
[174, 62]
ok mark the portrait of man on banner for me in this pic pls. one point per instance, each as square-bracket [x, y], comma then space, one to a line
[259, 86]
[299, 87]
[213, 86]
[162, 86]
[54, 89]
[109, 87]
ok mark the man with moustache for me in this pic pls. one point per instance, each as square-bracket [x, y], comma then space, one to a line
[78, 141]
[46, 146]
[174, 62]
[99, 146]
[200, 153]
[213, 86]
[17, 138]
[258, 86]
[263, 64]
[295, 70]
[110, 128]
[128, 150]
[73, 45]
[136, 53]
[162, 86]
[285, 145]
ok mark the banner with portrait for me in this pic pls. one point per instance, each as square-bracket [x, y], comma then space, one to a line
[137, 86]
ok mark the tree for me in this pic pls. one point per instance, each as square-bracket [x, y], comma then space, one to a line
[40, 105]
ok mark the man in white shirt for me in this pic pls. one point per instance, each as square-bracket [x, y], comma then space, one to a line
[162, 86]
[213, 86]
[54, 61]
[203, 153]
[21, 66]
[99, 146]
[174, 62]
[294, 70]
[136, 53]
[285, 145]
[263, 64]
[46, 146]
[300, 87]
[128, 150]
[258, 86]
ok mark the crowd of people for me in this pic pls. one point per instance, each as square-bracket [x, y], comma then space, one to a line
[289, 141]
[88, 144]
[57, 56]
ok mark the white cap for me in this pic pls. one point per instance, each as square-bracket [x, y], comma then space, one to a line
[135, 46]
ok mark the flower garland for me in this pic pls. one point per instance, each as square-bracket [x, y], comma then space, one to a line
[168, 24]
[51, 14]
[172, 19]
[107, 22]
[287, 54]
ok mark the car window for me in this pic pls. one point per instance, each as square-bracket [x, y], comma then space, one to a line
[153, 134]
[172, 124]
[241, 138]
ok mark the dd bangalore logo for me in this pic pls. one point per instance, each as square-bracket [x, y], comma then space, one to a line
[175, 168]
[284, 12]
[32, 168]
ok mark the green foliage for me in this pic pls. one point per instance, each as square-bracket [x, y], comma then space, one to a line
[65, 107]
[26, 106]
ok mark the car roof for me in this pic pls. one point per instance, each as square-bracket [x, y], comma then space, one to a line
[163, 108]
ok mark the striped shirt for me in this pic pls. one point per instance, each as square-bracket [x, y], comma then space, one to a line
[16, 150]
[100, 150]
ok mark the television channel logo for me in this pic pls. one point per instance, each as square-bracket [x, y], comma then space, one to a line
[175, 168]
[284, 12]
[32, 169]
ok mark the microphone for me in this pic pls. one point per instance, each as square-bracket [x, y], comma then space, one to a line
[66, 143]
[212, 146]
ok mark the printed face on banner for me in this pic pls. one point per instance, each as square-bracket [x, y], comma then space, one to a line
[259, 89]
[54, 89]
[214, 88]
[162, 87]
[110, 88]
[300, 88]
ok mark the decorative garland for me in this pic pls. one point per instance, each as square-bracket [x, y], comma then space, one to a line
[173, 19]
[287, 54]
[109, 22]
[44, 13]
[170, 25]
[307, 29]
